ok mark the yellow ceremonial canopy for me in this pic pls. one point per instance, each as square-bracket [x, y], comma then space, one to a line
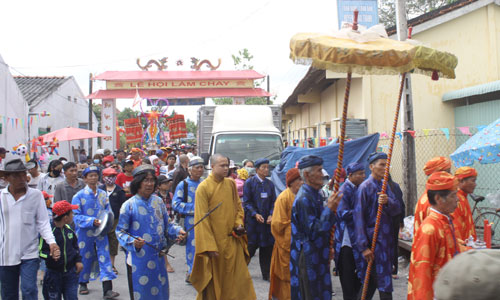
[369, 53]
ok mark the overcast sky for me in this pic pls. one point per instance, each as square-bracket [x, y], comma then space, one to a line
[75, 38]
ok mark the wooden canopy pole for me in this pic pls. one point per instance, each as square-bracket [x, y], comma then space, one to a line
[384, 187]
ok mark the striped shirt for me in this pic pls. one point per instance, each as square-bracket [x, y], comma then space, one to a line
[20, 223]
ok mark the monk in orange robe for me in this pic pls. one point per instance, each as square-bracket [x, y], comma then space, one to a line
[282, 231]
[462, 217]
[434, 243]
[436, 164]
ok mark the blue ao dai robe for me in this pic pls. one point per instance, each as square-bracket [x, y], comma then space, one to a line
[311, 225]
[187, 209]
[365, 214]
[345, 220]
[148, 219]
[89, 207]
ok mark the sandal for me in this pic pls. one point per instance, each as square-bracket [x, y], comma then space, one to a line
[170, 269]
[83, 290]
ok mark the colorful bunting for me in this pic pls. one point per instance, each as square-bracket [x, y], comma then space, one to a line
[400, 135]
[446, 132]
[383, 135]
[465, 130]
[412, 133]
[426, 131]
[481, 127]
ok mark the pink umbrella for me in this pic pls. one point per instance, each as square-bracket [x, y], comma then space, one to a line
[70, 134]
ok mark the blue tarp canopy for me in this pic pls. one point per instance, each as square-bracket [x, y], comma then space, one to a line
[354, 151]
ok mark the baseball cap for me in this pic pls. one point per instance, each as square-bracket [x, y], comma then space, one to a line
[61, 207]
[109, 172]
[46, 195]
[473, 274]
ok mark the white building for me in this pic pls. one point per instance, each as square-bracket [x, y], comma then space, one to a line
[62, 98]
[13, 111]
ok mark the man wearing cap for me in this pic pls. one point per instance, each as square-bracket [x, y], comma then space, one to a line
[107, 160]
[346, 252]
[282, 232]
[470, 275]
[91, 203]
[116, 197]
[462, 216]
[144, 219]
[422, 208]
[435, 242]
[184, 202]
[368, 198]
[61, 276]
[71, 185]
[259, 196]
[22, 214]
[311, 225]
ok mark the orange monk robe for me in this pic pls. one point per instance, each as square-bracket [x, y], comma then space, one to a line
[462, 218]
[421, 211]
[433, 246]
[226, 276]
[280, 261]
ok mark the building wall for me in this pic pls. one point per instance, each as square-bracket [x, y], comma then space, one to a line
[12, 105]
[473, 37]
[64, 113]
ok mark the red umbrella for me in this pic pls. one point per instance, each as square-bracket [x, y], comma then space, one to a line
[70, 134]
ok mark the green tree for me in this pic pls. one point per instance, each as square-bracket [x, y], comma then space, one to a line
[191, 127]
[414, 8]
[243, 61]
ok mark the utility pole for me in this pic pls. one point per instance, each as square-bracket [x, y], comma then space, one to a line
[91, 113]
[409, 160]
[268, 89]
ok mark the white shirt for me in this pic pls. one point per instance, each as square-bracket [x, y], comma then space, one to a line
[33, 183]
[20, 223]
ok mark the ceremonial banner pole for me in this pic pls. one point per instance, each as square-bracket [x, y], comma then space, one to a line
[340, 157]
[384, 186]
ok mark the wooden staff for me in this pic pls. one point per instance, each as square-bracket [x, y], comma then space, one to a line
[384, 188]
[340, 158]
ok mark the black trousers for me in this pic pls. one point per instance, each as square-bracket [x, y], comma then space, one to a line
[130, 284]
[372, 287]
[347, 272]
[265, 254]
[395, 235]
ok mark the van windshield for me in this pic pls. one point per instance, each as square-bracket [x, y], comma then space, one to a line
[249, 146]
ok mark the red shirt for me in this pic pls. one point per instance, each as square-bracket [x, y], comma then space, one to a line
[124, 181]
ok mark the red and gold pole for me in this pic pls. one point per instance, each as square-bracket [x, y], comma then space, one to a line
[343, 121]
[384, 186]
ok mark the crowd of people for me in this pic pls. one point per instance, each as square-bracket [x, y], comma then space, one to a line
[76, 216]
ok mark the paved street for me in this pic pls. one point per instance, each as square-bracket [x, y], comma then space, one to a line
[180, 290]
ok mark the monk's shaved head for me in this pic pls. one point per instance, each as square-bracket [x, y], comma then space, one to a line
[215, 158]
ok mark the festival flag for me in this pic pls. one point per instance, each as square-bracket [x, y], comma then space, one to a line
[177, 127]
[465, 130]
[426, 131]
[137, 98]
[133, 130]
[412, 133]
[446, 132]
[400, 135]
[481, 127]
[383, 135]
